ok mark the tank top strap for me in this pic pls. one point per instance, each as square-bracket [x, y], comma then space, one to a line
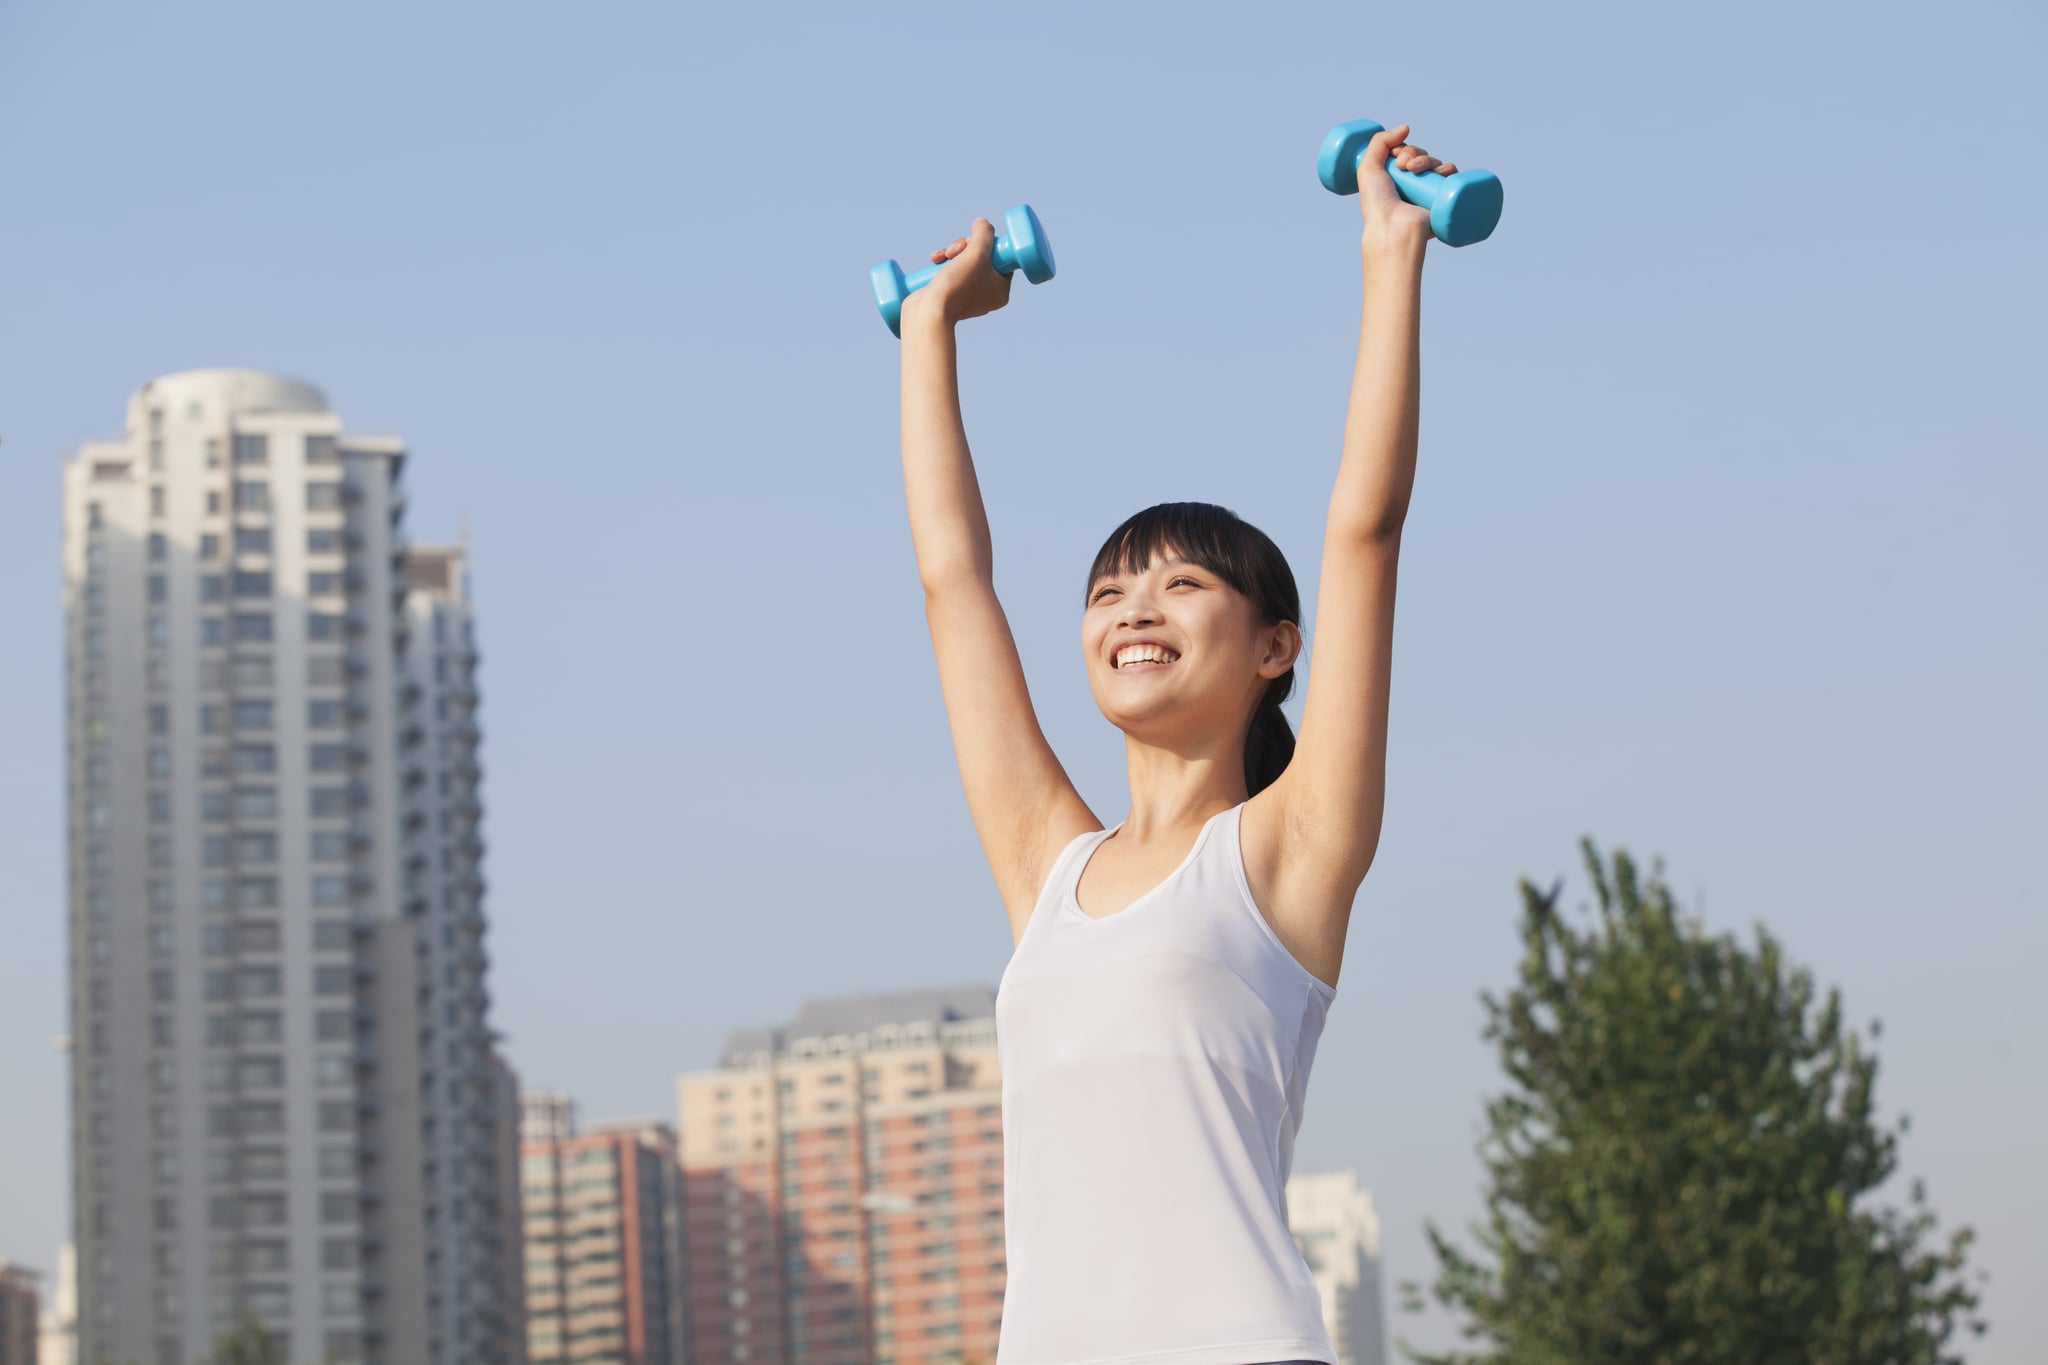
[1065, 870]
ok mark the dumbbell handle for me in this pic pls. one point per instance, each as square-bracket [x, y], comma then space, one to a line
[1463, 208]
[1005, 263]
[1023, 248]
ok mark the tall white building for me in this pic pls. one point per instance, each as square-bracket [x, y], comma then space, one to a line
[1333, 1223]
[283, 1097]
[57, 1333]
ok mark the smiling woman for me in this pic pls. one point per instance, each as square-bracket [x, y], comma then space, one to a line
[1157, 1022]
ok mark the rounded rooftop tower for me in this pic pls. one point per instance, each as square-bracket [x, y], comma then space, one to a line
[213, 396]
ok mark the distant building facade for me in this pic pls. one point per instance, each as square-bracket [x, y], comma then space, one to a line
[282, 1099]
[58, 1336]
[604, 1262]
[19, 1303]
[843, 1186]
[1333, 1223]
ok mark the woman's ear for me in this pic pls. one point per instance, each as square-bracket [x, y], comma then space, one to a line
[1283, 649]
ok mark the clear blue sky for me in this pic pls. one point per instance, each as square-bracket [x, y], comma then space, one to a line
[1726, 544]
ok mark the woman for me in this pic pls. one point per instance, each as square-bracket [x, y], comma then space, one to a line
[1158, 1018]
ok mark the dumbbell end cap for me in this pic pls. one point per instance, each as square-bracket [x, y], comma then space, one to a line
[1468, 209]
[887, 282]
[1337, 162]
[1029, 245]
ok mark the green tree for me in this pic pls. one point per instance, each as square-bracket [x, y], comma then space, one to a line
[1679, 1167]
[249, 1344]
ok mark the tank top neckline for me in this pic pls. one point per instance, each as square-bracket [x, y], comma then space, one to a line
[1073, 896]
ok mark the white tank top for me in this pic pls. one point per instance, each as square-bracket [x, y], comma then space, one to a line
[1154, 1067]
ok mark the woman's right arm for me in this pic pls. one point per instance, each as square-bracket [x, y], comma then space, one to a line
[1017, 792]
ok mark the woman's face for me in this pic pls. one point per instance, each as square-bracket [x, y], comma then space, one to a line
[1175, 653]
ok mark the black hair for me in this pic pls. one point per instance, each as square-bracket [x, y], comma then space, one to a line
[1246, 558]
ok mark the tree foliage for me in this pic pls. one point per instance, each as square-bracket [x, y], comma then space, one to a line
[1679, 1170]
[249, 1344]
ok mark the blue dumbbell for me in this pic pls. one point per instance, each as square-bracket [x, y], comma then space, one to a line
[1023, 247]
[1462, 208]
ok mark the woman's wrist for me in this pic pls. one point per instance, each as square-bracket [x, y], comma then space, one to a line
[1400, 252]
[924, 316]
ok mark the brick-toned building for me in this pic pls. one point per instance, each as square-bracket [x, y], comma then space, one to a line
[603, 1250]
[843, 1186]
[18, 1300]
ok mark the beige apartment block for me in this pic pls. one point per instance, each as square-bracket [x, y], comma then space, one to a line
[843, 1186]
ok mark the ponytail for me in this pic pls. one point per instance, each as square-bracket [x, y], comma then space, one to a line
[1269, 744]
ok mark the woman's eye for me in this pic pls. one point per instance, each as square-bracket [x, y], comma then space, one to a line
[1183, 580]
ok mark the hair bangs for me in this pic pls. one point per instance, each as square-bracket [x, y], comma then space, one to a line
[1201, 533]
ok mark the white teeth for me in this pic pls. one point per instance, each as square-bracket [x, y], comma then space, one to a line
[1132, 654]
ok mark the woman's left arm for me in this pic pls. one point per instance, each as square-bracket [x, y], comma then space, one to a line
[1333, 793]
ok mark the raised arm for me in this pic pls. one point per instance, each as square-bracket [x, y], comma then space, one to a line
[1333, 794]
[1017, 792]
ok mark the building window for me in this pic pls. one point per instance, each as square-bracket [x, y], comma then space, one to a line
[252, 540]
[330, 891]
[255, 758]
[320, 450]
[328, 801]
[252, 627]
[325, 626]
[258, 936]
[262, 1026]
[330, 846]
[331, 980]
[324, 496]
[251, 450]
[252, 495]
[209, 543]
[323, 540]
[324, 715]
[258, 983]
[262, 1073]
[253, 715]
[328, 758]
[252, 583]
[256, 803]
[256, 893]
[159, 546]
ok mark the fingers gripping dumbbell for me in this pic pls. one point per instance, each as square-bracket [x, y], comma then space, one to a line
[1462, 208]
[1022, 247]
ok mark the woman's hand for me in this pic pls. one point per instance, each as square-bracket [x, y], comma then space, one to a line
[969, 286]
[1392, 224]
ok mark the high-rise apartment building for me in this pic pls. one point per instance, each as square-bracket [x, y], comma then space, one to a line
[283, 1098]
[18, 1307]
[1333, 1223]
[843, 1186]
[603, 1242]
